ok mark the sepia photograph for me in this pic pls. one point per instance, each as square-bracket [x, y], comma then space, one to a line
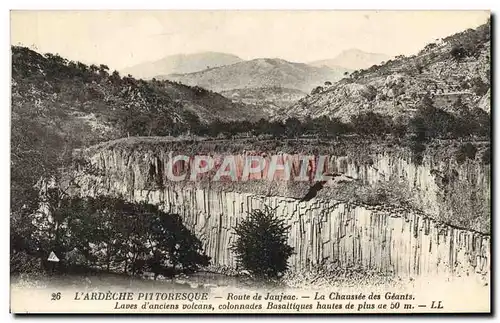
[250, 162]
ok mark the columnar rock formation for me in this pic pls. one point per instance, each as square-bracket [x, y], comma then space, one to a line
[322, 231]
[327, 232]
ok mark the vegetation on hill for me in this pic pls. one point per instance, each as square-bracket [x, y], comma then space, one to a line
[59, 105]
[269, 99]
[427, 123]
[457, 68]
[257, 73]
[261, 245]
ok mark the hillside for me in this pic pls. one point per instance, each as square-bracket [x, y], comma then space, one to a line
[180, 64]
[208, 105]
[258, 73]
[352, 59]
[103, 105]
[270, 98]
[452, 75]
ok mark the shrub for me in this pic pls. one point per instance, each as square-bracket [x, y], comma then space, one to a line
[392, 192]
[317, 90]
[399, 127]
[325, 126]
[465, 151]
[431, 122]
[371, 123]
[369, 93]
[458, 52]
[261, 244]
[419, 68]
[293, 127]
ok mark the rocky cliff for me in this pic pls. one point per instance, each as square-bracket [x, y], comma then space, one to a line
[443, 184]
[324, 230]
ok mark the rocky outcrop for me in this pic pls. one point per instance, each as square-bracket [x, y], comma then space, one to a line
[433, 184]
[323, 231]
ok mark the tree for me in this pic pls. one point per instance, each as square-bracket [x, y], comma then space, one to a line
[103, 70]
[38, 152]
[261, 244]
[277, 129]
[93, 68]
[293, 127]
[466, 151]
[458, 53]
[113, 233]
[261, 127]
[115, 76]
[399, 126]
[369, 92]
[316, 90]
[371, 123]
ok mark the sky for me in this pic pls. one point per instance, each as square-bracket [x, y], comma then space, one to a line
[121, 39]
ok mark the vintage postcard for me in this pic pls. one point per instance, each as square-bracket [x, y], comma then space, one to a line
[292, 162]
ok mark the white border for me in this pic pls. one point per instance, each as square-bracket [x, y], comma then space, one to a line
[189, 5]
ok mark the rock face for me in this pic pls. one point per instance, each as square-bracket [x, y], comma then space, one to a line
[437, 185]
[323, 231]
[327, 232]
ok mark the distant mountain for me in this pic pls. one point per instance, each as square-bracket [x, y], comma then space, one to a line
[180, 64]
[210, 106]
[452, 75]
[258, 73]
[352, 59]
